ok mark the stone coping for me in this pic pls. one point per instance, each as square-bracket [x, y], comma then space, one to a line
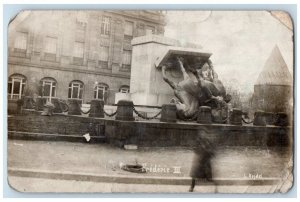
[183, 51]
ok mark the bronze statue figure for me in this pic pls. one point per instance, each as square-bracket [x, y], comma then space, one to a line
[205, 89]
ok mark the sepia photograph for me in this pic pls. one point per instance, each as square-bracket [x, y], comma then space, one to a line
[150, 101]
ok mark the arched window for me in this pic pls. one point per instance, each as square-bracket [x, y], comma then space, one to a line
[16, 85]
[48, 85]
[124, 89]
[100, 91]
[76, 90]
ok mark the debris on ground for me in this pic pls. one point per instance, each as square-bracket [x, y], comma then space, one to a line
[87, 137]
[17, 144]
[130, 147]
[134, 168]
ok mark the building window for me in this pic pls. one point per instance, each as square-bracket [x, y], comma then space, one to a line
[21, 41]
[81, 24]
[101, 91]
[105, 26]
[76, 90]
[140, 30]
[16, 85]
[126, 60]
[50, 45]
[104, 54]
[150, 30]
[78, 53]
[126, 57]
[128, 30]
[78, 49]
[48, 88]
[81, 19]
[124, 89]
[80, 34]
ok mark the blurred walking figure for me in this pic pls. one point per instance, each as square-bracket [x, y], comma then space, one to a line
[201, 168]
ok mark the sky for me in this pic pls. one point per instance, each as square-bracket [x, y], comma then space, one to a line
[240, 41]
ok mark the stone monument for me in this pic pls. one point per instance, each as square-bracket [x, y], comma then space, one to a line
[146, 83]
[147, 86]
[159, 64]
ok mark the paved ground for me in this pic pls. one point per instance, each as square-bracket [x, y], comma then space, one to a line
[101, 159]
[24, 184]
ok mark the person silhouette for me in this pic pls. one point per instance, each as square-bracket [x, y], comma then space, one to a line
[201, 167]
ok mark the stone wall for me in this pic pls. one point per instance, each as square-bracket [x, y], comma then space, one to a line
[57, 124]
[185, 134]
[152, 134]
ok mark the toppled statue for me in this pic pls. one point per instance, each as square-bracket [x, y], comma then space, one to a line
[203, 90]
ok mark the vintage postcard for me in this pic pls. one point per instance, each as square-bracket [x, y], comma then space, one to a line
[150, 101]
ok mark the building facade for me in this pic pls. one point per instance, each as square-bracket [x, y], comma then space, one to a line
[84, 55]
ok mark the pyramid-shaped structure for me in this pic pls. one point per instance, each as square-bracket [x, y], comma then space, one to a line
[275, 71]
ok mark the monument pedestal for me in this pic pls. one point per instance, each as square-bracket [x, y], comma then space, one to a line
[146, 83]
[149, 54]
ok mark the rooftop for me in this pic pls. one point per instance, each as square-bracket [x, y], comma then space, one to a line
[275, 71]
